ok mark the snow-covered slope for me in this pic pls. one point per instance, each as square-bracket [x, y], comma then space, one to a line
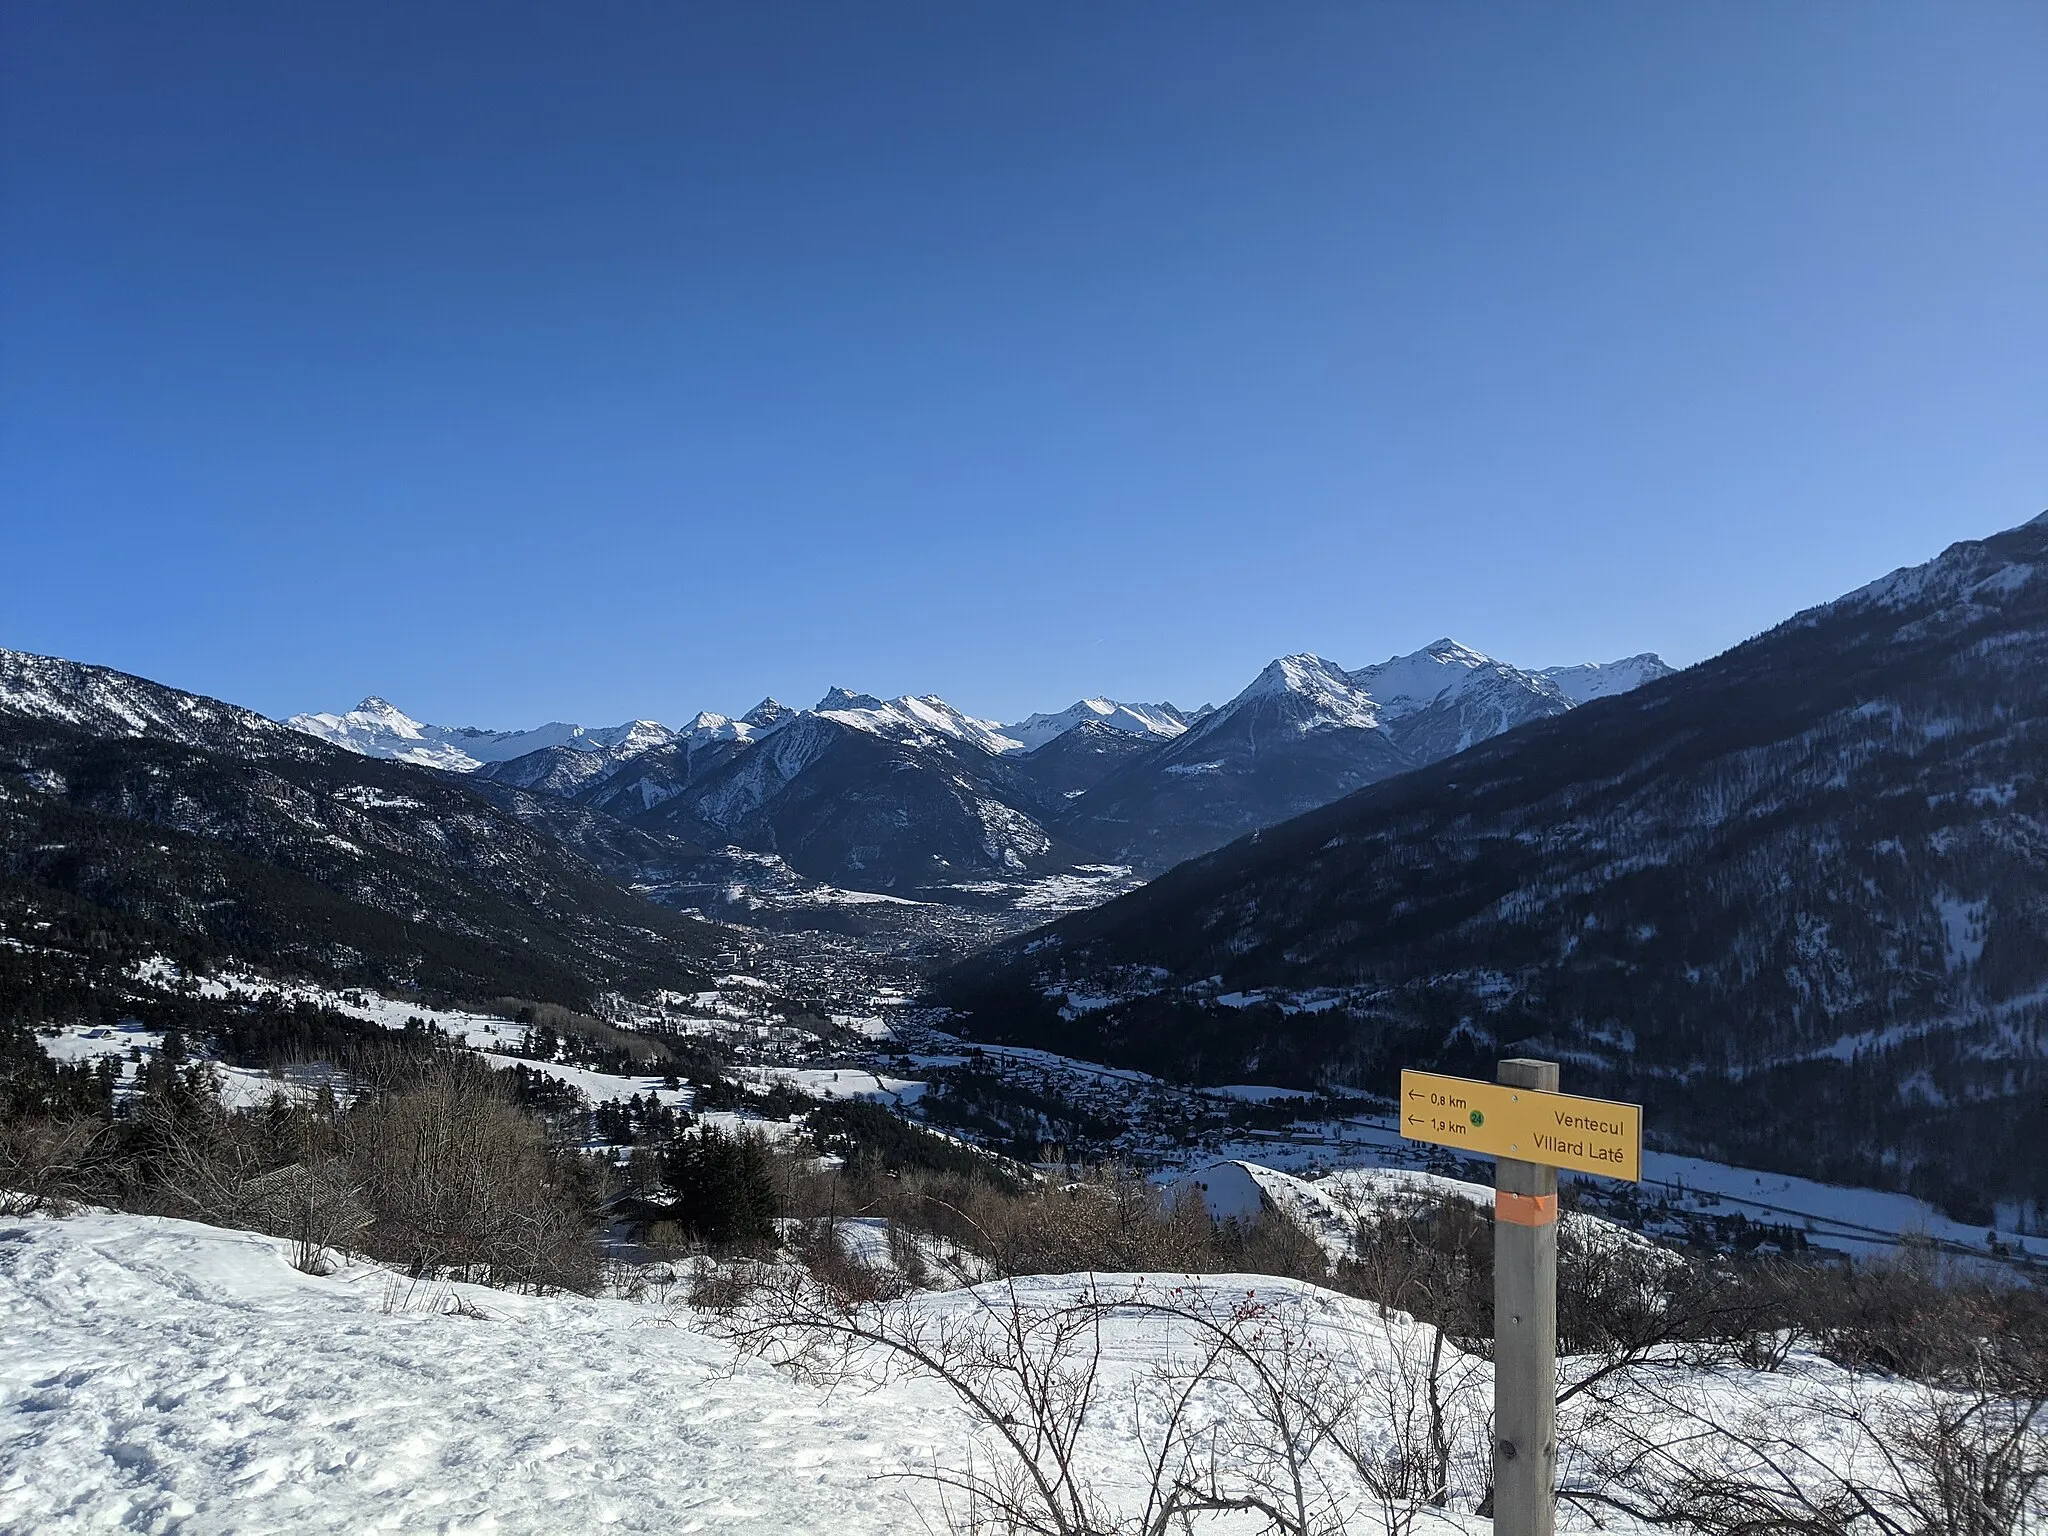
[1160, 720]
[165, 1376]
[377, 728]
[161, 1375]
[103, 702]
[1446, 696]
[913, 721]
[1591, 680]
[1329, 1209]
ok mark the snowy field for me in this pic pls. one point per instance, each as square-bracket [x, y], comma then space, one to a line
[164, 1376]
[159, 1375]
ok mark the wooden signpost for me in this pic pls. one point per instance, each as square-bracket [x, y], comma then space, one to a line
[1530, 1130]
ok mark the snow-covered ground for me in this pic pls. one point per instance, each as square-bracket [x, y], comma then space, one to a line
[484, 1031]
[164, 1376]
[1849, 1220]
[848, 1083]
[1330, 1208]
[160, 1375]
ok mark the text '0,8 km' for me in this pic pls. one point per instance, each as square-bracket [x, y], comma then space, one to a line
[1491, 1120]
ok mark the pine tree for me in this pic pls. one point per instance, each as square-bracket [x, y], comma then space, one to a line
[725, 1193]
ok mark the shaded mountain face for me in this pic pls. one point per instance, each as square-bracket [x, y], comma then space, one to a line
[1306, 732]
[1300, 736]
[124, 802]
[1592, 680]
[1082, 756]
[98, 701]
[1794, 900]
[843, 804]
[1161, 721]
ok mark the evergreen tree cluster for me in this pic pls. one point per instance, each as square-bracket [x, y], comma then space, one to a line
[723, 1187]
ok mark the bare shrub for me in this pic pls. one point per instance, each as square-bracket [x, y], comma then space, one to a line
[1097, 1218]
[49, 1165]
[458, 1179]
[822, 1252]
[278, 1172]
[1429, 1257]
[318, 1205]
[1277, 1406]
[1851, 1456]
[1419, 1423]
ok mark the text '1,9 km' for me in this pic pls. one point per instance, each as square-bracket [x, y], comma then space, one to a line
[1559, 1130]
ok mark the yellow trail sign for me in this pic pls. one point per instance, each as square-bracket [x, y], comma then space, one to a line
[1491, 1120]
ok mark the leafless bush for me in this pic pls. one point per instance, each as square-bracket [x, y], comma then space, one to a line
[318, 1205]
[1422, 1424]
[48, 1165]
[279, 1172]
[1430, 1258]
[1272, 1406]
[818, 1247]
[721, 1287]
[1853, 1456]
[458, 1179]
[1096, 1218]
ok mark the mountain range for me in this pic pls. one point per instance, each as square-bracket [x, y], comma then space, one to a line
[138, 820]
[912, 795]
[1794, 900]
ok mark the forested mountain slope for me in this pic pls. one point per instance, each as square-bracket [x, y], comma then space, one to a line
[133, 812]
[1795, 899]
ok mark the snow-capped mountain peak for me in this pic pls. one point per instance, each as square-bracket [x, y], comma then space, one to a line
[845, 698]
[709, 725]
[378, 728]
[1447, 696]
[1160, 720]
[1401, 685]
[913, 720]
[768, 714]
[1319, 693]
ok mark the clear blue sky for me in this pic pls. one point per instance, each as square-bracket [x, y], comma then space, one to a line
[591, 360]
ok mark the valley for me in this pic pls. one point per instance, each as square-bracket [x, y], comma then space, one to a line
[1798, 873]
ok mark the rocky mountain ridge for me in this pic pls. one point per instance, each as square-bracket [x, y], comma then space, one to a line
[911, 794]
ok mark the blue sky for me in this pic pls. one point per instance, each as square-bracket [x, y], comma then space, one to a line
[587, 361]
